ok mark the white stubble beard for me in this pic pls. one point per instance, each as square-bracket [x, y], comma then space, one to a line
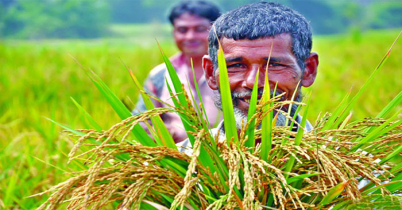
[241, 117]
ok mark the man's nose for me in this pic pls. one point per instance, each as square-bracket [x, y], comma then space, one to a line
[190, 34]
[250, 78]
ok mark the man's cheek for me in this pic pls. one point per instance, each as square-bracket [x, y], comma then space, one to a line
[233, 83]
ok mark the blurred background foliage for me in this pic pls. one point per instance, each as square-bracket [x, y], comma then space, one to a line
[37, 19]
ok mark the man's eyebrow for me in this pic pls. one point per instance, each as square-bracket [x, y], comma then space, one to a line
[274, 59]
[233, 59]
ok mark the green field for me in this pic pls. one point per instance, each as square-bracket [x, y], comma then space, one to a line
[38, 78]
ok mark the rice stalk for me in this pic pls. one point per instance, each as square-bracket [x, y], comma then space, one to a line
[337, 165]
[130, 174]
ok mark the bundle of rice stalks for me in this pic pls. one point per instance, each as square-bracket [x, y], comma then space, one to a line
[337, 165]
[325, 164]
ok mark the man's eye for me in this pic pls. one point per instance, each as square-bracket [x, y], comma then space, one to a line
[274, 66]
[201, 29]
[182, 30]
[236, 65]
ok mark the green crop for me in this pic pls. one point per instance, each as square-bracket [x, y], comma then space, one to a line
[318, 169]
[38, 80]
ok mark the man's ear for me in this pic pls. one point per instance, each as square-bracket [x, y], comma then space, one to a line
[208, 67]
[310, 70]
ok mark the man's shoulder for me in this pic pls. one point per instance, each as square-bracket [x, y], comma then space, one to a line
[161, 69]
[157, 70]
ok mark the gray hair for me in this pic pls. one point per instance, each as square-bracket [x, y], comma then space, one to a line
[261, 20]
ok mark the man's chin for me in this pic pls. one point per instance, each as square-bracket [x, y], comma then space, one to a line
[240, 117]
[241, 110]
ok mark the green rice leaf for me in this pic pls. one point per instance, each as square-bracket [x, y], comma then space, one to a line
[384, 128]
[198, 94]
[93, 141]
[179, 90]
[394, 153]
[294, 118]
[165, 196]
[396, 101]
[227, 102]
[67, 128]
[393, 184]
[251, 111]
[121, 110]
[397, 168]
[200, 117]
[87, 116]
[266, 124]
[300, 177]
[176, 167]
[204, 158]
[342, 106]
[207, 125]
[300, 131]
[151, 206]
[292, 99]
[345, 122]
[163, 137]
[299, 137]
[117, 105]
[340, 205]
[173, 97]
[333, 193]
[174, 78]
[365, 85]
[219, 163]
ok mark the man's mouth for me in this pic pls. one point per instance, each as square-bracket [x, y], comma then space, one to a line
[241, 99]
[248, 100]
[192, 44]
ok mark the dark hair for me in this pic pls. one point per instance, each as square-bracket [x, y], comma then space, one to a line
[203, 9]
[260, 20]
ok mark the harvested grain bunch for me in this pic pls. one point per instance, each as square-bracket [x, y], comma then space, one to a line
[336, 165]
[133, 175]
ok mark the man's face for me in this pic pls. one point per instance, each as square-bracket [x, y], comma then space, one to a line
[245, 57]
[191, 34]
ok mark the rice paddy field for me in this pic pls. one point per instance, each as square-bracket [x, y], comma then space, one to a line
[38, 80]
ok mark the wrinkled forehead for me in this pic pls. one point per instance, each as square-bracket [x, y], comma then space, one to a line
[281, 42]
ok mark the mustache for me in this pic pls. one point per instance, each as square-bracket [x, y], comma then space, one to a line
[237, 95]
[240, 115]
[247, 94]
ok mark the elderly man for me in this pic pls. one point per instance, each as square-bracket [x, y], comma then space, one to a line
[246, 35]
[191, 22]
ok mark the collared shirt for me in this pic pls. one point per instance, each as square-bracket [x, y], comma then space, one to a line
[186, 147]
[155, 84]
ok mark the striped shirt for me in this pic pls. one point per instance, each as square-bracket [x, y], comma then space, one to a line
[155, 84]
